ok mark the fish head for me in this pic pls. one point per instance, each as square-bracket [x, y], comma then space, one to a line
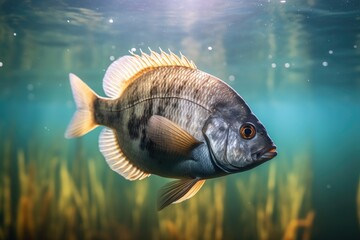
[238, 145]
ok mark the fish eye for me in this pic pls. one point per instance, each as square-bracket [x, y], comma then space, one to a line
[247, 131]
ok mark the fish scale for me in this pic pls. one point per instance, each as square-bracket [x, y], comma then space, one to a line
[163, 116]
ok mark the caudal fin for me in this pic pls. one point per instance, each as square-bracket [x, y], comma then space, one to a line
[83, 120]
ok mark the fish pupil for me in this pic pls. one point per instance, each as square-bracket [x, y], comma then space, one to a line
[247, 131]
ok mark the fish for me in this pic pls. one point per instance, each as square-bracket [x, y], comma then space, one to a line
[163, 116]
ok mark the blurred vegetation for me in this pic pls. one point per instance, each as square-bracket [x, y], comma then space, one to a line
[358, 201]
[45, 196]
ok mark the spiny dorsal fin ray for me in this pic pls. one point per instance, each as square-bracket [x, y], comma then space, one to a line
[178, 191]
[170, 137]
[124, 70]
[116, 159]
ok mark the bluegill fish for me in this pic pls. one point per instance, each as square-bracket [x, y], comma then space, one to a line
[163, 116]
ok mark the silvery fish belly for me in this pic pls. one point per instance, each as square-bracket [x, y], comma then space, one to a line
[163, 116]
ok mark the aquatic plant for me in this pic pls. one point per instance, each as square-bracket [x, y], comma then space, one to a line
[5, 193]
[276, 210]
[48, 195]
[358, 201]
[201, 218]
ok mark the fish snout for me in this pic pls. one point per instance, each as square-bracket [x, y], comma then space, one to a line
[266, 154]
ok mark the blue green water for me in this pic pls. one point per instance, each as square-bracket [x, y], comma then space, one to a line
[296, 63]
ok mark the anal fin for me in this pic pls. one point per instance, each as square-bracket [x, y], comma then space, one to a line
[116, 159]
[178, 191]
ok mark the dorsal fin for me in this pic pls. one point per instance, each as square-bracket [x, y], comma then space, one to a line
[124, 70]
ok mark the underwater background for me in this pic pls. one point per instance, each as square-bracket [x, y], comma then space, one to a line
[296, 63]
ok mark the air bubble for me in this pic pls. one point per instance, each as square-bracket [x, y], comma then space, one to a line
[287, 65]
[30, 87]
[111, 20]
[273, 65]
[331, 51]
[1, 64]
[325, 64]
[133, 49]
[231, 78]
[112, 58]
[210, 48]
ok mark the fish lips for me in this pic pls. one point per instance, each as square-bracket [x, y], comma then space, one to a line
[265, 154]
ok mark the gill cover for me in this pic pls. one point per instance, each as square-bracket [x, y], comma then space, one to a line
[216, 132]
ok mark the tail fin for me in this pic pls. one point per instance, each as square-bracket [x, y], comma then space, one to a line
[83, 120]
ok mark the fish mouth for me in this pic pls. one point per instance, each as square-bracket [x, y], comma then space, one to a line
[266, 154]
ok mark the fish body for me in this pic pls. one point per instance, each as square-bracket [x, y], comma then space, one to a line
[163, 116]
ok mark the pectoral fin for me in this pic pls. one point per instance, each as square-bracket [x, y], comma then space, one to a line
[178, 191]
[170, 137]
